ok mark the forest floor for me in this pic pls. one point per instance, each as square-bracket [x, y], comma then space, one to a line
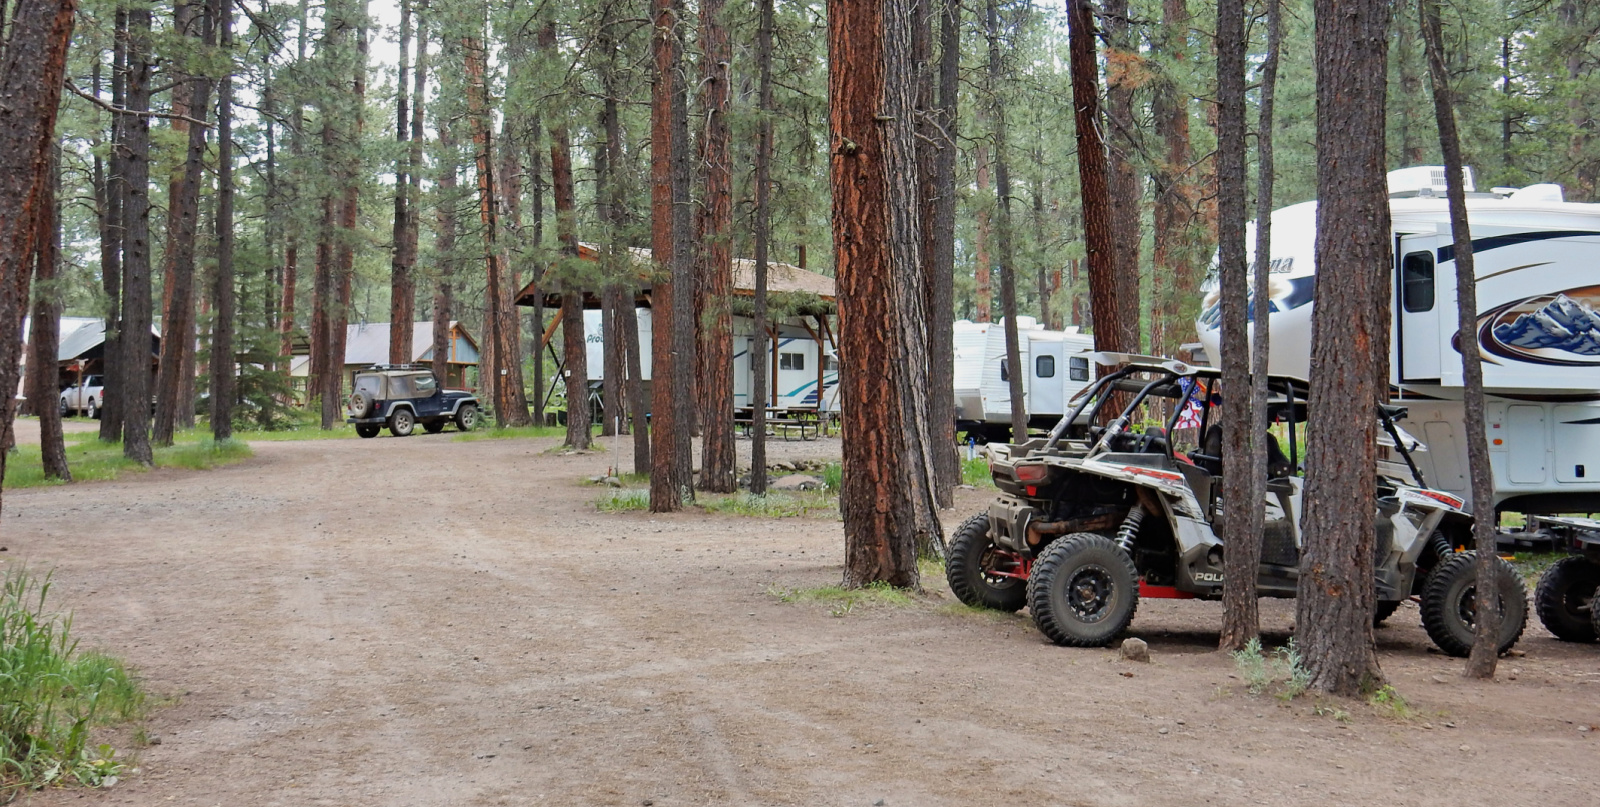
[434, 622]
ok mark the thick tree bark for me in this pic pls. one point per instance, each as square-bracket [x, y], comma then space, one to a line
[1486, 642]
[136, 303]
[718, 464]
[44, 333]
[223, 387]
[514, 126]
[983, 280]
[762, 237]
[193, 20]
[637, 405]
[444, 243]
[886, 495]
[614, 304]
[1350, 340]
[402, 286]
[939, 256]
[1122, 138]
[349, 213]
[672, 360]
[1111, 332]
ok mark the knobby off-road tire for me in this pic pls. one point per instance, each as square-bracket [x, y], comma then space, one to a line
[1449, 603]
[1564, 599]
[433, 426]
[467, 418]
[368, 429]
[401, 422]
[1384, 610]
[970, 556]
[1083, 591]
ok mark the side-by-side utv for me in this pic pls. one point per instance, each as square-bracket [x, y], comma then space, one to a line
[1092, 518]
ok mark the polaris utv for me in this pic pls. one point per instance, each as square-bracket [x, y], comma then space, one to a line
[1090, 519]
[1567, 591]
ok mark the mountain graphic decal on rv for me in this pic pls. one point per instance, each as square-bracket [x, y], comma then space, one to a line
[1561, 329]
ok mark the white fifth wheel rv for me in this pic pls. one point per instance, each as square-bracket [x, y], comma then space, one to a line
[1057, 367]
[1537, 261]
[792, 366]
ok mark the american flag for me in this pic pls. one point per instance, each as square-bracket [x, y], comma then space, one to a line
[1190, 417]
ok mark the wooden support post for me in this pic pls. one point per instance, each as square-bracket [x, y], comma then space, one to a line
[554, 321]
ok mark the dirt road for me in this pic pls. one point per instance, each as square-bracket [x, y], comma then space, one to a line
[427, 622]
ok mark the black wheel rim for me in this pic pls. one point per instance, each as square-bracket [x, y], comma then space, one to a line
[1467, 607]
[1090, 591]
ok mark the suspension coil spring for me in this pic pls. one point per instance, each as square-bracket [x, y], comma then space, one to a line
[1130, 528]
[1441, 545]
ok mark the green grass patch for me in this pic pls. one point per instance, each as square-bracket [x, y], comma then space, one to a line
[842, 601]
[513, 433]
[1389, 703]
[51, 696]
[91, 460]
[1531, 565]
[975, 472]
[771, 505]
[621, 501]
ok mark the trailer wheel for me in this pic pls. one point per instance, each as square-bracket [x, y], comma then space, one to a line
[969, 565]
[1083, 591]
[1449, 604]
[1565, 598]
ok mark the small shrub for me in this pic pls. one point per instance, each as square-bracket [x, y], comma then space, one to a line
[832, 477]
[1391, 703]
[975, 472]
[1279, 673]
[51, 696]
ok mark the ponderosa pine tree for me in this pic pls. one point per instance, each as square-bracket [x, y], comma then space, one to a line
[222, 369]
[718, 464]
[44, 331]
[761, 237]
[1111, 333]
[136, 302]
[402, 285]
[1349, 345]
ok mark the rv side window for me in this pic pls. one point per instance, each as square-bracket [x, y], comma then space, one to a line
[1078, 368]
[1044, 367]
[1005, 372]
[1416, 278]
[791, 361]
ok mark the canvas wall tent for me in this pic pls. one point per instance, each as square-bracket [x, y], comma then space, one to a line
[367, 344]
[802, 363]
[1538, 326]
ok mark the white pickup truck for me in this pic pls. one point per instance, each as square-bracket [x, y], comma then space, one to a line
[86, 398]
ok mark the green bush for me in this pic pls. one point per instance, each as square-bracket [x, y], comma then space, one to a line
[51, 696]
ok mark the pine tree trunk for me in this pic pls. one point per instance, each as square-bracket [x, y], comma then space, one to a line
[444, 243]
[886, 495]
[350, 207]
[1123, 143]
[614, 269]
[762, 235]
[136, 303]
[223, 387]
[183, 210]
[402, 286]
[669, 395]
[111, 193]
[44, 339]
[1174, 278]
[513, 125]
[1003, 230]
[1110, 332]
[719, 464]
[1486, 642]
[637, 404]
[1350, 343]
[939, 244]
[983, 295]
[575, 350]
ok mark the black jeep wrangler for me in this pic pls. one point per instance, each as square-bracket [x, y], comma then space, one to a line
[402, 395]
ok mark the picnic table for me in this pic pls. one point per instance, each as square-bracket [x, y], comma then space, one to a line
[806, 423]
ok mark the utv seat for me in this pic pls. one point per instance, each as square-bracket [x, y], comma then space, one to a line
[1209, 457]
[1278, 464]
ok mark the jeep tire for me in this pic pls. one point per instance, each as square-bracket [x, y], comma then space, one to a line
[401, 422]
[1449, 603]
[467, 417]
[1083, 590]
[968, 562]
[368, 429]
[1564, 599]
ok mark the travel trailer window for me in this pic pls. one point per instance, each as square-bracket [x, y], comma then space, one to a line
[1078, 368]
[1045, 367]
[1416, 277]
[791, 361]
[1005, 372]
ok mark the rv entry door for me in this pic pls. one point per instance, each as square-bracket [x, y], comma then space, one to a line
[1417, 288]
[1048, 375]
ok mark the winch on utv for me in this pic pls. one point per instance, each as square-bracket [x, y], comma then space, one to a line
[1090, 519]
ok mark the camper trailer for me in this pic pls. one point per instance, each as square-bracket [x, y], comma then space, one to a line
[1056, 368]
[1538, 326]
[792, 365]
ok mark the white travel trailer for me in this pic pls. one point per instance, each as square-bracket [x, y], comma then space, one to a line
[792, 365]
[1057, 368]
[1538, 293]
